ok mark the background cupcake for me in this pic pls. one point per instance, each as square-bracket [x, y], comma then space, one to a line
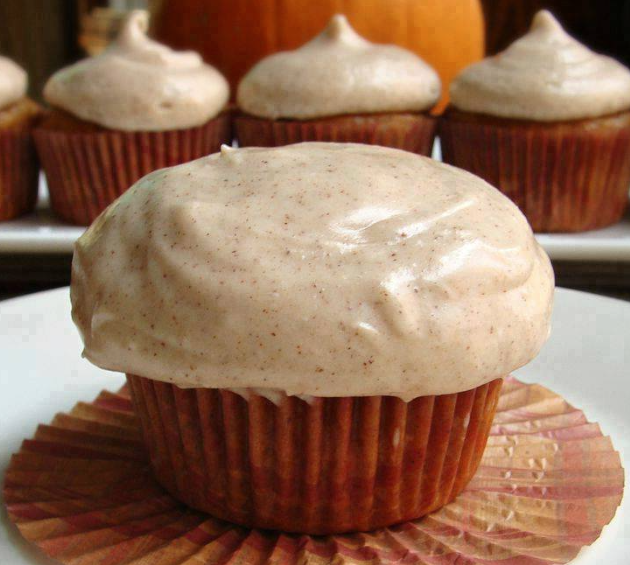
[306, 354]
[135, 108]
[339, 87]
[18, 163]
[547, 123]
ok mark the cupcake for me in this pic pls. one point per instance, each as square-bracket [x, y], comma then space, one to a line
[339, 87]
[547, 123]
[137, 107]
[314, 335]
[18, 161]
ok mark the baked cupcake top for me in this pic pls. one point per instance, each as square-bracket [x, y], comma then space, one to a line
[137, 84]
[13, 82]
[338, 72]
[316, 269]
[546, 75]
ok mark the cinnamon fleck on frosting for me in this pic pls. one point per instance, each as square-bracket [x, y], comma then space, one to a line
[546, 75]
[317, 269]
[13, 82]
[338, 72]
[137, 84]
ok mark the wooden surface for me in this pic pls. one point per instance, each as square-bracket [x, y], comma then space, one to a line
[24, 274]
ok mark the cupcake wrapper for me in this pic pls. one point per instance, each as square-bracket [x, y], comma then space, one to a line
[87, 171]
[82, 492]
[328, 466]
[564, 177]
[19, 173]
[411, 132]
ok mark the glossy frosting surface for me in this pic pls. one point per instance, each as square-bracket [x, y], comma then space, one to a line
[546, 75]
[13, 82]
[338, 72]
[314, 269]
[137, 84]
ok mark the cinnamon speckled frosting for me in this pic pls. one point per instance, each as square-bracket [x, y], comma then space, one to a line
[338, 72]
[13, 82]
[139, 85]
[545, 76]
[315, 269]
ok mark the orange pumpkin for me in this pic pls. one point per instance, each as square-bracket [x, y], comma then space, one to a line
[235, 34]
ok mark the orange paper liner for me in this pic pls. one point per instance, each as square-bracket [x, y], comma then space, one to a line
[411, 132]
[87, 171]
[565, 177]
[549, 481]
[328, 466]
[19, 173]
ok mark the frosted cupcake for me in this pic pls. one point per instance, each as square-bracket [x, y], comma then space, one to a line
[18, 162]
[339, 87]
[135, 108]
[547, 123]
[315, 335]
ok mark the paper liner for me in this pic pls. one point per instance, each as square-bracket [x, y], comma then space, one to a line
[565, 177]
[19, 173]
[87, 171]
[549, 481]
[331, 465]
[411, 132]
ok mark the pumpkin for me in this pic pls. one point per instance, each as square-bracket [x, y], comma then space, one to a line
[234, 34]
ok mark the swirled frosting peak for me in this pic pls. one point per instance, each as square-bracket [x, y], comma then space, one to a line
[316, 269]
[137, 84]
[546, 75]
[338, 72]
[13, 82]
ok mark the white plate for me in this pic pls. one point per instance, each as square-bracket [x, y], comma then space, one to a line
[41, 232]
[587, 360]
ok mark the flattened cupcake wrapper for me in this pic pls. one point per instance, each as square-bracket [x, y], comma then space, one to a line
[87, 171]
[565, 178]
[411, 132]
[19, 173]
[82, 491]
[327, 466]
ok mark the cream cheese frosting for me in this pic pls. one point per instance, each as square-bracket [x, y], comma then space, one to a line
[546, 75]
[316, 269]
[137, 84]
[13, 82]
[338, 72]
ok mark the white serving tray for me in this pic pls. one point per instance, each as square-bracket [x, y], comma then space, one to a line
[608, 244]
[41, 232]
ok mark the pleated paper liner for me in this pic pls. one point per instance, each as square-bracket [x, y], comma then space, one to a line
[328, 466]
[411, 132]
[565, 176]
[19, 173]
[549, 481]
[87, 171]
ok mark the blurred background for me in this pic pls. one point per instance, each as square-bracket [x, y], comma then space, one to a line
[45, 35]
